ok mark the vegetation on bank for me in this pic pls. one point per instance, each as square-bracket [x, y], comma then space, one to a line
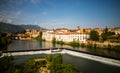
[4, 41]
[104, 36]
[94, 35]
[96, 46]
[74, 43]
[56, 65]
[39, 37]
[48, 64]
[54, 41]
[6, 65]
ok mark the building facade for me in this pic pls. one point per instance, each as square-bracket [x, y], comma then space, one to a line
[32, 33]
[65, 35]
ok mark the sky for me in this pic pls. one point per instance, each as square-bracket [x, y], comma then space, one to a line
[61, 13]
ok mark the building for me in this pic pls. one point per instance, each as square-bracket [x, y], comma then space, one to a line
[99, 30]
[87, 30]
[32, 33]
[117, 31]
[63, 34]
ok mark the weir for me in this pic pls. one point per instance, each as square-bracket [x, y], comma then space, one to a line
[63, 51]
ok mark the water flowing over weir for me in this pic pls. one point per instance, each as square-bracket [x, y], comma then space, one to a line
[64, 51]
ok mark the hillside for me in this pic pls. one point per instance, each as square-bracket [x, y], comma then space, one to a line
[31, 27]
[8, 27]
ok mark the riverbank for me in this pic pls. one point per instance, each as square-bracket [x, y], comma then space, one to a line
[92, 45]
[89, 44]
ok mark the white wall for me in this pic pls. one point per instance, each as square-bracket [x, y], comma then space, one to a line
[66, 37]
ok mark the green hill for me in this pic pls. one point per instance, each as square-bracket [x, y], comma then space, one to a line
[31, 27]
[8, 27]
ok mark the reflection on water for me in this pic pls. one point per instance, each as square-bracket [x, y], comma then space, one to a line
[34, 44]
[31, 44]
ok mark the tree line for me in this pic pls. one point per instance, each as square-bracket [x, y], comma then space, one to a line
[4, 41]
[105, 36]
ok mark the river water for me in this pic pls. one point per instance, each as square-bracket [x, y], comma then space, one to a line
[82, 64]
[31, 44]
[34, 44]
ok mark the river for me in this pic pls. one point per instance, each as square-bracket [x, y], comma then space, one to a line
[34, 44]
[82, 64]
[31, 44]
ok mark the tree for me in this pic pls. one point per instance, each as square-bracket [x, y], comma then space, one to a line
[59, 59]
[74, 43]
[49, 58]
[59, 42]
[106, 34]
[30, 67]
[6, 65]
[94, 35]
[4, 41]
[69, 69]
[40, 35]
[57, 66]
[53, 40]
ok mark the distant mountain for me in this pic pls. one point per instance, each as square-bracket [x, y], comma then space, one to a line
[8, 27]
[31, 27]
